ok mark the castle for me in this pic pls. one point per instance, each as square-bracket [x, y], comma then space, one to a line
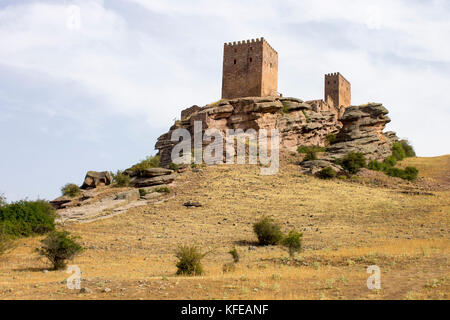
[250, 69]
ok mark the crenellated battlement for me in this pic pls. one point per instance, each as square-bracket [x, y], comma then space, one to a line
[250, 69]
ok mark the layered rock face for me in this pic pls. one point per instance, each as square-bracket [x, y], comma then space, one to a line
[299, 123]
[362, 131]
[357, 128]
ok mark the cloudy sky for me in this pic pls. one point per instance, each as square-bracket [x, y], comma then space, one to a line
[90, 84]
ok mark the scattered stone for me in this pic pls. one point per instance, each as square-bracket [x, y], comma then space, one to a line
[131, 195]
[251, 248]
[192, 204]
[106, 290]
[85, 290]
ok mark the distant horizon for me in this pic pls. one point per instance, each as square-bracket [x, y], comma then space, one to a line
[91, 85]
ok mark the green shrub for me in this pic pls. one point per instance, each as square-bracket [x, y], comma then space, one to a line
[409, 150]
[397, 151]
[142, 192]
[410, 173]
[162, 190]
[331, 137]
[306, 149]
[147, 163]
[306, 116]
[189, 260]
[71, 190]
[376, 166]
[173, 166]
[311, 155]
[390, 161]
[120, 179]
[285, 108]
[293, 242]
[326, 173]
[353, 162]
[26, 218]
[58, 247]
[234, 254]
[267, 231]
[6, 243]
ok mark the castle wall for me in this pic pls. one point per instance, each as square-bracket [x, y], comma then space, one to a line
[250, 69]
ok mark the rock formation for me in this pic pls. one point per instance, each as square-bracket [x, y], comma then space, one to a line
[94, 179]
[299, 123]
[357, 128]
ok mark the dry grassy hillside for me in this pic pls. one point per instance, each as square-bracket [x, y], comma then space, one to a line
[348, 225]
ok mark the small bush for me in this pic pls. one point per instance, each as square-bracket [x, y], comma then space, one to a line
[234, 254]
[326, 173]
[397, 151]
[142, 192]
[59, 247]
[285, 109]
[331, 137]
[147, 163]
[310, 155]
[26, 218]
[267, 231]
[376, 166]
[162, 190]
[409, 150]
[120, 179]
[293, 242]
[390, 161]
[173, 166]
[71, 190]
[353, 162]
[410, 173]
[189, 260]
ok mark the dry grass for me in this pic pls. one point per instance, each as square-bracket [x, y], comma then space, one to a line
[347, 226]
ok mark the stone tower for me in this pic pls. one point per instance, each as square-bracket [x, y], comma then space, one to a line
[337, 90]
[250, 69]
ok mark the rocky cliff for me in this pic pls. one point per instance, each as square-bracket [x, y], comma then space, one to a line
[357, 128]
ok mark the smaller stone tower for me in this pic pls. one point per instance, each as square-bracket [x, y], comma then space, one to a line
[337, 90]
[250, 69]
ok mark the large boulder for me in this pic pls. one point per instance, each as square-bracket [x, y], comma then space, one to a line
[95, 179]
[362, 131]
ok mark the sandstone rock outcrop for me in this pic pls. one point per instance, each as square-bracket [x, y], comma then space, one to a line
[299, 123]
[362, 131]
[94, 179]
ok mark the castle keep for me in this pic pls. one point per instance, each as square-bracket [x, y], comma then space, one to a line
[337, 90]
[250, 69]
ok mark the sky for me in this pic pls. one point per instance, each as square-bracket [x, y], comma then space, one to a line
[90, 84]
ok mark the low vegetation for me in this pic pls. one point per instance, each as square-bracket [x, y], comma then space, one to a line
[120, 179]
[234, 254]
[162, 190]
[71, 190]
[331, 137]
[189, 260]
[400, 150]
[6, 243]
[26, 218]
[147, 163]
[2, 200]
[267, 231]
[142, 192]
[326, 173]
[353, 162]
[59, 247]
[292, 242]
